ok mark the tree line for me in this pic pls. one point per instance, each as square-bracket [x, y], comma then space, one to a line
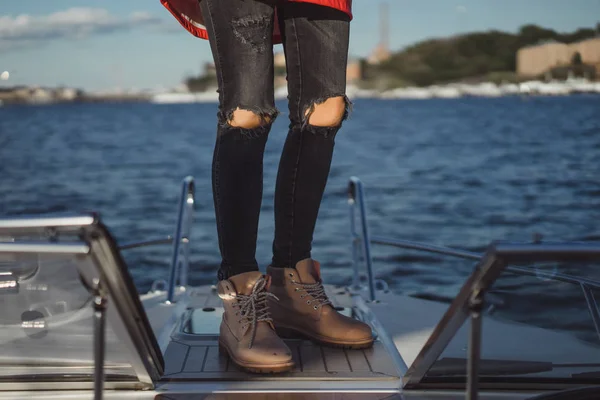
[489, 56]
[486, 55]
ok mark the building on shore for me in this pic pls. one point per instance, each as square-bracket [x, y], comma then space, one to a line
[380, 53]
[39, 95]
[354, 70]
[279, 60]
[533, 61]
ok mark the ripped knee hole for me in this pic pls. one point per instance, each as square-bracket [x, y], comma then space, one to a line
[328, 113]
[246, 119]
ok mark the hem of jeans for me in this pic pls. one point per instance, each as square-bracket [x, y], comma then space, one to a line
[227, 271]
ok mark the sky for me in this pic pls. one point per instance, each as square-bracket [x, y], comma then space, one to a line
[137, 44]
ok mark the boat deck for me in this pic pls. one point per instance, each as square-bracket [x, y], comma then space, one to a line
[200, 359]
[193, 353]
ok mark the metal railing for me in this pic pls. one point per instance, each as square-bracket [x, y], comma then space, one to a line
[151, 242]
[180, 257]
[181, 244]
[101, 272]
[178, 271]
[362, 241]
[468, 304]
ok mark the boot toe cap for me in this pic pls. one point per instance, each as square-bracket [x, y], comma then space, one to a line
[269, 352]
[360, 332]
[352, 330]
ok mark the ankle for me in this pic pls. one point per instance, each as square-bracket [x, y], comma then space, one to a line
[228, 271]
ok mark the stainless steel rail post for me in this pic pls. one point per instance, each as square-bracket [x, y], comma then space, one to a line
[356, 192]
[179, 264]
[100, 304]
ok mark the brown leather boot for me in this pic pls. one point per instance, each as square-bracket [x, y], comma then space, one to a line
[303, 308]
[247, 332]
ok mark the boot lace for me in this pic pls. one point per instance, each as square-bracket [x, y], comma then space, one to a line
[254, 308]
[317, 291]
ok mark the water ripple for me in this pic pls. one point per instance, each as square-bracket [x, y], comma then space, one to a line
[457, 172]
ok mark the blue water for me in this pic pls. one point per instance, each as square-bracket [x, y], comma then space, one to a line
[458, 172]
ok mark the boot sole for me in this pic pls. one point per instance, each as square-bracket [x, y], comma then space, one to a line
[257, 369]
[291, 333]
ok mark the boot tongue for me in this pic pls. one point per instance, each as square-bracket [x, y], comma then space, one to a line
[308, 271]
[244, 283]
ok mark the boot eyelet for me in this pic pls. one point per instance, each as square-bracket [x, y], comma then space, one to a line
[291, 275]
[308, 302]
[315, 307]
[296, 289]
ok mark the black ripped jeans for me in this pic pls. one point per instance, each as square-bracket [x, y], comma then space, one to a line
[315, 41]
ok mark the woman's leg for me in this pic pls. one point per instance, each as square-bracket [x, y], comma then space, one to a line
[316, 46]
[241, 42]
[316, 49]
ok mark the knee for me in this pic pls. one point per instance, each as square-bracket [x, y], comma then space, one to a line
[248, 120]
[329, 113]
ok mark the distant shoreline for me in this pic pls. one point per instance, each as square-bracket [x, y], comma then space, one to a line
[455, 90]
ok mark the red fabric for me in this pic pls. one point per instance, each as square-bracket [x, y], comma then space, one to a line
[188, 13]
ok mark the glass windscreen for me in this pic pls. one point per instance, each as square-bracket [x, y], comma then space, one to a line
[47, 321]
[537, 326]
